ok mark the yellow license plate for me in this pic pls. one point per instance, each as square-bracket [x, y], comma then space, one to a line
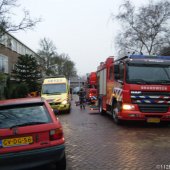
[17, 141]
[153, 120]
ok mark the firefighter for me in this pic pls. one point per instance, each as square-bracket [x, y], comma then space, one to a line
[82, 98]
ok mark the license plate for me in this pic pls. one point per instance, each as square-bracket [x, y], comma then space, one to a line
[153, 120]
[16, 141]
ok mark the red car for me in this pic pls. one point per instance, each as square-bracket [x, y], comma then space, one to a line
[30, 135]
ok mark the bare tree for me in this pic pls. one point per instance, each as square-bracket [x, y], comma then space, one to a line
[55, 64]
[68, 66]
[62, 65]
[145, 30]
[6, 16]
[47, 51]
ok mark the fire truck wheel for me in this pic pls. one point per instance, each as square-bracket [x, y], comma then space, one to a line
[115, 116]
[101, 111]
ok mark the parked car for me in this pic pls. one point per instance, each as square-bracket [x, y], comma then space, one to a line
[76, 90]
[30, 135]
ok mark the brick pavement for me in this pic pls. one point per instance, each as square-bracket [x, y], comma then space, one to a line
[94, 142]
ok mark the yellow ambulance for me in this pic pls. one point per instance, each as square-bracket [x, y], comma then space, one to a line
[57, 93]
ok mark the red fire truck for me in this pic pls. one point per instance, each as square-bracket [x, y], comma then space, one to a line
[91, 88]
[135, 87]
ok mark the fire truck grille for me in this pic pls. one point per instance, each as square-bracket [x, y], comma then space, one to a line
[152, 102]
[153, 109]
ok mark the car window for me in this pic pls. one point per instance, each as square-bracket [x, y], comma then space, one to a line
[21, 115]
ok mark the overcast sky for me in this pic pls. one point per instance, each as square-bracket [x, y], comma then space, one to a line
[80, 28]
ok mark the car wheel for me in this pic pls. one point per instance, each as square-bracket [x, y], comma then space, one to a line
[61, 165]
[69, 110]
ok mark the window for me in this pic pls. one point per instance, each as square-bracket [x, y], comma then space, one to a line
[121, 69]
[2, 39]
[23, 50]
[148, 73]
[53, 88]
[9, 43]
[111, 73]
[3, 63]
[14, 45]
[19, 47]
[21, 115]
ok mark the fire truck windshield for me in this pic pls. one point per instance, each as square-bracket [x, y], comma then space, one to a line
[148, 74]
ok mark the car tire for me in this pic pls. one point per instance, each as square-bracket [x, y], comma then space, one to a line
[61, 165]
[69, 110]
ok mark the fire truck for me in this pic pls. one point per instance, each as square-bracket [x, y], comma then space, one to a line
[135, 87]
[91, 90]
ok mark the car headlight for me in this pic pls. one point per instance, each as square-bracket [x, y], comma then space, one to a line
[64, 102]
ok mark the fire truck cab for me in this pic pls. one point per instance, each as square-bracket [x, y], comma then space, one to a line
[135, 87]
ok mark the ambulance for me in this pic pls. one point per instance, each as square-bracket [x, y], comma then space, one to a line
[57, 93]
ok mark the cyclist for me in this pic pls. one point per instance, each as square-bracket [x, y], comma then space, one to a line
[82, 98]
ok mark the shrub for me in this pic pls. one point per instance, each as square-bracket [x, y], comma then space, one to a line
[20, 91]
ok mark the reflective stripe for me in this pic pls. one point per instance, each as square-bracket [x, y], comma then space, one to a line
[118, 93]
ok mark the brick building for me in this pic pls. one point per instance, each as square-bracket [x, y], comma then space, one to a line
[10, 49]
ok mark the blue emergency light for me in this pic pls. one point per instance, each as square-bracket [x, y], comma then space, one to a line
[149, 57]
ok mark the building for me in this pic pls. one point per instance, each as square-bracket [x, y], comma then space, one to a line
[10, 49]
[77, 81]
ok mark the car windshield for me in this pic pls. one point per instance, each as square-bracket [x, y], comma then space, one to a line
[23, 116]
[148, 74]
[53, 88]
